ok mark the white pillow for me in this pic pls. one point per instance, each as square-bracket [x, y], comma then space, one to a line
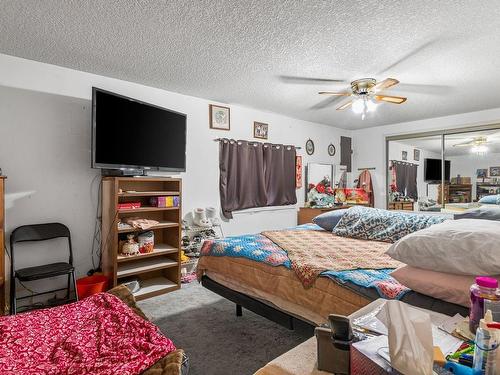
[463, 247]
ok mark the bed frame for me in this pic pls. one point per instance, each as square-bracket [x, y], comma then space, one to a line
[258, 307]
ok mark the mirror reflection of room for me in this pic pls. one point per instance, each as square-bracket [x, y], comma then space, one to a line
[331, 185]
[414, 174]
[474, 163]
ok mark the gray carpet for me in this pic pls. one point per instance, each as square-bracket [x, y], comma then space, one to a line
[218, 342]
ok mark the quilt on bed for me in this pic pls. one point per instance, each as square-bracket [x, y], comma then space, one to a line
[259, 248]
[98, 335]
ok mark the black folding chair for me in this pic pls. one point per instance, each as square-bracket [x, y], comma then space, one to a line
[40, 232]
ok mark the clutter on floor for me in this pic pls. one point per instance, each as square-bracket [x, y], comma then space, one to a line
[199, 225]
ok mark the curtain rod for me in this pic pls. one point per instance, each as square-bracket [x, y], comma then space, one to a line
[219, 139]
[367, 169]
[403, 162]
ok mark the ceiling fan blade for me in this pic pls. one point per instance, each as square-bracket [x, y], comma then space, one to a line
[334, 93]
[390, 99]
[385, 84]
[425, 89]
[310, 80]
[409, 55]
[330, 100]
[345, 105]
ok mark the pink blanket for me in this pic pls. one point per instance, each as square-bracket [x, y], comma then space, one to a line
[98, 335]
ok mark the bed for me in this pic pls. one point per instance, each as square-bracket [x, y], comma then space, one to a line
[102, 334]
[252, 270]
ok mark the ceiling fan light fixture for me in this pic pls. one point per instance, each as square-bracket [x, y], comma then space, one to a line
[358, 106]
[479, 149]
[371, 106]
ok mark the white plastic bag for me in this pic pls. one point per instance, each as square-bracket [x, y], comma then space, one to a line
[410, 338]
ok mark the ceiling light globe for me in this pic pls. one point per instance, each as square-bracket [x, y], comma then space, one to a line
[370, 105]
[479, 149]
[358, 106]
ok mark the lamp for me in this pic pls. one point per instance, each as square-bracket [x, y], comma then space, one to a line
[479, 149]
[362, 105]
[358, 106]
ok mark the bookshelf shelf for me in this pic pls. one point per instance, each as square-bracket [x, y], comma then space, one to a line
[158, 272]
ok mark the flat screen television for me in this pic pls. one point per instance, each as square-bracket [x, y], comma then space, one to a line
[432, 171]
[128, 134]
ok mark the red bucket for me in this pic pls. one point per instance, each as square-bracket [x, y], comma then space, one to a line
[87, 286]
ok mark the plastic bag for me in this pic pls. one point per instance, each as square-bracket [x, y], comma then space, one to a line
[410, 338]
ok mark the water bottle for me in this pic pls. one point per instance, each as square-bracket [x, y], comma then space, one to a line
[485, 288]
[486, 350]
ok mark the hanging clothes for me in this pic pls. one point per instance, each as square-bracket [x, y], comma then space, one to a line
[343, 180]
[365, 182]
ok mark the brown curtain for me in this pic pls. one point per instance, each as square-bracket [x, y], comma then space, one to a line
[406, 178]
[253, 174]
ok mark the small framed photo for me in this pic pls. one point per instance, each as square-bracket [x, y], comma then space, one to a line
[482, 173]
[416, 154]
[260, 130]
[494, 171]
[404, 155]
[220, 117]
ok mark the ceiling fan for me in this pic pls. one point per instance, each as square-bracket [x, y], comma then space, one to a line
[365, 93]
[476, 141]
[477, 145]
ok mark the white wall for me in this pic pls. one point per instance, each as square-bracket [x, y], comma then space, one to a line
[45, 152]
[369, 144]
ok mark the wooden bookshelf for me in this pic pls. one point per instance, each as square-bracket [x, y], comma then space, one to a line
[455, 193]
[158, 272]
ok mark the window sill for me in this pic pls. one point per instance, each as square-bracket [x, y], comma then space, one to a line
[256, 210]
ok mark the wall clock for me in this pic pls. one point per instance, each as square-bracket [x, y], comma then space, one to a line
[331, 149]
[310, 147]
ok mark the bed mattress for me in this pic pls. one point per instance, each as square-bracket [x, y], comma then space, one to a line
[282, 288]
[255, 266]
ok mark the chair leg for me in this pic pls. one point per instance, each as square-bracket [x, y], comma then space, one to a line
[13, 306]
[74, 285]
[68, 293]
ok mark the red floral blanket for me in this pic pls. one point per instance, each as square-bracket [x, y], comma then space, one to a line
[98, 335]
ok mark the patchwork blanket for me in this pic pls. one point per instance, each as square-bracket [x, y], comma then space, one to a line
[98, 335]
[313, 252]
[259, 248]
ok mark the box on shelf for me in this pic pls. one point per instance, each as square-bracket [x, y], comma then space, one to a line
[170, 201]
[129, 205]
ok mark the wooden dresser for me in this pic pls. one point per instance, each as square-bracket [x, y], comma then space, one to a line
[3, 308]
[306, 214]
[401, 206]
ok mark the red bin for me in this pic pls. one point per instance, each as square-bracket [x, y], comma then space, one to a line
[87, 286]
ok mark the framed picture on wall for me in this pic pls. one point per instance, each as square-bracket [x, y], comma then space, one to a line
[416, 154]
[220, 117]
[482, 173]
[260, 130]
[404, 155]
[494, 171]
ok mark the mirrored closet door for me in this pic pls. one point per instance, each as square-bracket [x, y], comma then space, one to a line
[472, 169]
[448, 171]
[414, 173]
